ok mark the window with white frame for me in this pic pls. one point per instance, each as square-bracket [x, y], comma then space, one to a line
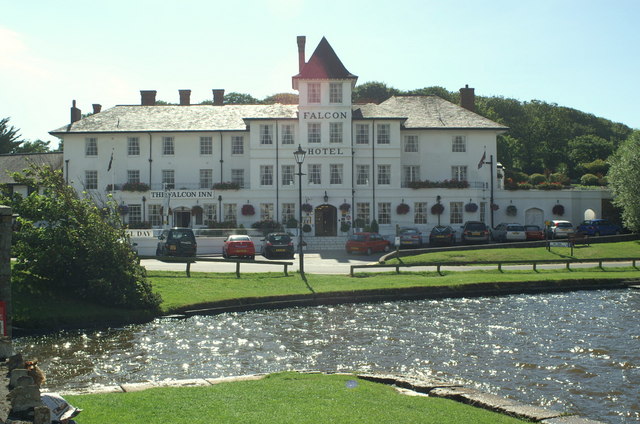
[363, 212]
[313, 132]
[335, 92]
[287, 175]
[314, 173]
[459, 172]
[266, 134]
[410, 143]
[133, 176]
[420, 212]
[410, 173]
[237, 145]
[362, 174]
[169, 178]
[266, 211]
[383, 135]
[206, 178]
[313, 92]
[483, 211]
[287, 134]
[90, 179]
[135, 214]
[91, 146]
[133, 146]
[459, 143]
[335, 132]
[384, 213]
[206, 145]
[266, 175]
[209, 213]
[362, 134]
[455, 212]
[288, 212]
[384, 174]
[237, 177]
[336, 171]
[155, 215]
[230, 212]
[168, 147]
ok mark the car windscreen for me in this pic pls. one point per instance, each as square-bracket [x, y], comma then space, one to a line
[515, 228]
[357, 237]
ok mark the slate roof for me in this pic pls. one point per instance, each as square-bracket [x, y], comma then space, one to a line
[324, 64]
[17, 163]
[426, 112]
[177, 118]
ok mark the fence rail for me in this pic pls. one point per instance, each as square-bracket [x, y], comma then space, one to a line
[499, 264]
[191, 260]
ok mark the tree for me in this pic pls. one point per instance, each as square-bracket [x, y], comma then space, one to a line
[68, 245]
[373, 92]
[234, 98]
[38, 146]
[587, 148]
[283, 98]
[9, 137]
[623, 178]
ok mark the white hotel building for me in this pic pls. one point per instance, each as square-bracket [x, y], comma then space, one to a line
[361, 155]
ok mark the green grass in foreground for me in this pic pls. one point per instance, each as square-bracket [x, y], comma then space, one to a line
[279, 398]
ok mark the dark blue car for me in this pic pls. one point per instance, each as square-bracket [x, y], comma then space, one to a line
[599, 227]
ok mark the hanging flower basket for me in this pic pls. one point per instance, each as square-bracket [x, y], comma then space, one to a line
[196, 210]
[306, 207]
[402, 209]
[306, 228]
[512, 210]
[248, 210]
[558, 210]
[471, 207]
[437, 209]
[494, 207]
[123, 209]
[345, 207]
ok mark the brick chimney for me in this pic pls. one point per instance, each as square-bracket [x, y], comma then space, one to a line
[218, 96]
[301, 42]
[76, 114]
[468, 98]
[185, 97]
[96, 108]
[148, 97]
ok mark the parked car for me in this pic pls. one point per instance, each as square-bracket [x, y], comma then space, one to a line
[367, 243]
[599, 227]
[534, 232]
[559, 229]
[277, 244]
[239, 246]
[410, 237]
[475, 232]
[442, 235]
[509, 232]
[177, 242]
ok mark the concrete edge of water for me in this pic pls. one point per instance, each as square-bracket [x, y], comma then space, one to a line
[409, 293]
[404, 384]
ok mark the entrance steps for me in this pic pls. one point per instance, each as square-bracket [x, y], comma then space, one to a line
[324, 243]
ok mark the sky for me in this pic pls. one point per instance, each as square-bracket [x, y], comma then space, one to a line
[582, 54]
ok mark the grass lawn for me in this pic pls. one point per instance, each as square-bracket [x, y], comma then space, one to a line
[279, 398]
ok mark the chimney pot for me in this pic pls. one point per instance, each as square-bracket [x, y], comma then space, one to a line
[96, 108]
[148, 97]
[76, 114]
[185, 97]
[218, 96]
[301, 43]
[468, 98]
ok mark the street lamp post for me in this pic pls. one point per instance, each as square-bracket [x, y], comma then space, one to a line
[299, 156]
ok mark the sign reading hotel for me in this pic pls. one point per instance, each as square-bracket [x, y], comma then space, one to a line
[182, 194]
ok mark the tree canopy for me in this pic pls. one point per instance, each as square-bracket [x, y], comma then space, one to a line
[9, 137]
[623, 177]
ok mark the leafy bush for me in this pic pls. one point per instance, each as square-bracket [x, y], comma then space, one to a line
[292, 223]
[536, 179]
[345, 226]
[597, 167]
[439, 184]
[374, 226]
[549, 186]
[524, 186]
[135, 187]
[81, 251]
[306, 228]
[559, 177]
[267, 226]
[589, 180]
[516, 176]
[226, 185]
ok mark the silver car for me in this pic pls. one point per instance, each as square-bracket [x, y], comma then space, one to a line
[509, 232]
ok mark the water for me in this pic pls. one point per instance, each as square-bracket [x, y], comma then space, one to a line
[576, 352]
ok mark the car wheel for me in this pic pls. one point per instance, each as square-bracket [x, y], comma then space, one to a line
[224, 255]
[252, 257]
[369, 251]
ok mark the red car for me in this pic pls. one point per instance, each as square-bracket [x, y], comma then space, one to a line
[367, 243]
[534, 232]
[239, 246]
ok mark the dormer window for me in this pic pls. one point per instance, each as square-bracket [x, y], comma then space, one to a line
[335, 92]
[313, 94]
